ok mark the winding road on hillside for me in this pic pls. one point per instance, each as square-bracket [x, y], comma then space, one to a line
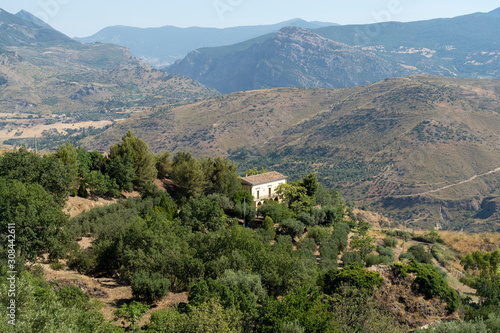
[452, 185]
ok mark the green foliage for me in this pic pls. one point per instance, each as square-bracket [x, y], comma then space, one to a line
[295, 196]
[245, 211]
[188, 175]
[386, 252]
[121, 170]
[352, 275]
[430, 283]
[319, 234]
[328, 254]
[406, 255]
[420, 254]
[373, 259]
[277, 211]
[475, 326]
[340, 235]
[131, 313]
[149, 286]
[310, 183]
[41, 307]
[481, 264]
[223, 200]
[254, 171]
[268, 224]
[350, 257]
[390, 241]
[164, 165]
[292, 227]
[202, 214]
[363, 244]
[101, 184]
[135, 151]
[56, 266]
[69, 157]
[48, 172]
[82, 191]
[38, 220]
[220, 176]
[209, 317]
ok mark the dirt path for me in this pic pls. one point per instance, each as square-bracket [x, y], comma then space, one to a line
[452, 185]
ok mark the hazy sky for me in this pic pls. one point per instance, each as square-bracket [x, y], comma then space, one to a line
[81, 18]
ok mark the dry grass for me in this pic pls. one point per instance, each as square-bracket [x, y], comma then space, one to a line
[465, 243]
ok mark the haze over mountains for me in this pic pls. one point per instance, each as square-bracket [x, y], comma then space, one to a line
[42, 70]
[466, 46]
[163, 46]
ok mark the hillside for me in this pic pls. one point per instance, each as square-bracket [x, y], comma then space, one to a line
[295, 57]
[423, 149]
[164, 45]
[465, 46]
[47, 78]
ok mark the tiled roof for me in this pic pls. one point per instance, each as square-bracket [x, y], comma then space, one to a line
[263, 178]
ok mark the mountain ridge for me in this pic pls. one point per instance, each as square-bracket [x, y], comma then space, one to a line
[176, 42]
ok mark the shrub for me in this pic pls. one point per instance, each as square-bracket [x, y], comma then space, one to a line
[268, 224]
[352, 275]
[475, 326]
[430, 283]
[292, 227]
[319, 234]
[149, 287]
[57, 266]
[329, 253]
[373, 259]
[420, 254]
[351, 257]
[406, 255]
[277, 211]
[390, 241]
[386, 252]
[82, 261]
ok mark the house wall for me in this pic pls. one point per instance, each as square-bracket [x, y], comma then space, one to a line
[263, 190]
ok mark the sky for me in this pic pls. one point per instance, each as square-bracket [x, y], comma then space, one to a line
[81, 18]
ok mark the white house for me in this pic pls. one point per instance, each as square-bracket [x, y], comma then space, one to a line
[263, 186]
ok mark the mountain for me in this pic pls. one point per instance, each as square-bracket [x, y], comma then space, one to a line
[422, 149]
[163, 46]
[466, 46]
[21, 30]
[30, 17]
[294, 57]
[43, 71]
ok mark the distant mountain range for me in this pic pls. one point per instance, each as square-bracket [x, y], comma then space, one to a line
[163, 46]
[294, 57]
[423, 148]
[466, 46]
[44, 71]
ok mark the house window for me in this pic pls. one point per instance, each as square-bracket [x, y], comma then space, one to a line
[258, 194]
[269, 192]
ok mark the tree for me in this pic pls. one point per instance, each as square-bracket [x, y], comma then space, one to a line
[101, 185]
[363, 244]
[136, 151]
[122, 171]
[164, 165]
[254, 171]
[187, 174]
[132, 313]
[220, 176]
[202, 214]
[295, 196]
[149, 287]
[38, 220]
[68, 155]
[310, 182]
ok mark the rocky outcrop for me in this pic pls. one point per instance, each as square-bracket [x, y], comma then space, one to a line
[401, 298]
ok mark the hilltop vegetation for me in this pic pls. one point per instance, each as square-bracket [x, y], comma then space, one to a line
[277, 276]
[384, 144]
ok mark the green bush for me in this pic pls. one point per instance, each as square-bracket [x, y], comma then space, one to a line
[82, 261]
[420, 254]
[57, 266]
[268, 224]
[386, 252]
[390, 241]
[292, 227]
[406, 255]
[476, 326]
[351, 257]
[318, 233]
[352, 275]
[373, 259]
[149, 287]
[430, 283]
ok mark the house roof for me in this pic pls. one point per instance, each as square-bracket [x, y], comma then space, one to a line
[263, 178]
